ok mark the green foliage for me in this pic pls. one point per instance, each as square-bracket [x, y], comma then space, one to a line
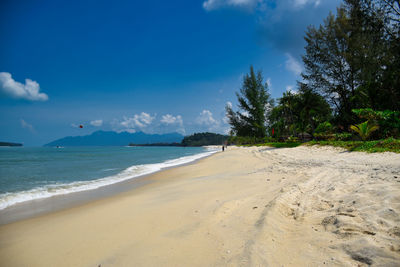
[266, 141]
[292, 139]
[334, 137]
[352, 70]
[269, 139]
[324, 136]
[352, 59]
[343, 136]
[245, 140]
[283, 144]
[364, 129]
[389, 121]
[254, 101]
[324, 127]
[204, 139]
[299, 113]
[385, 145]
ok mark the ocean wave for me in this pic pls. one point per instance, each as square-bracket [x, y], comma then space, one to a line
[10, 199]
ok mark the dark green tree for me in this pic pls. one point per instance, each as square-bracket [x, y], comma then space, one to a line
[204, 139]
[353, 59]
[388, 11]
[299, 112]
[284, 116]
[313, 110]
[328, 67]
[254, 103]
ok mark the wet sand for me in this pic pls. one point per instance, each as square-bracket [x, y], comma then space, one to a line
[304, 206]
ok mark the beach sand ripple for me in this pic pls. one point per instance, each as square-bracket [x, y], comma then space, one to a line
[257, 206]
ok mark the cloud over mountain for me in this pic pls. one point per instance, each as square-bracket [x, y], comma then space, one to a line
[137, 122]
[149, 124]
[206, 121]
[96, 123]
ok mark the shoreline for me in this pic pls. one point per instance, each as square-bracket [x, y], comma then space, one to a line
[245, 207]
[42, 206]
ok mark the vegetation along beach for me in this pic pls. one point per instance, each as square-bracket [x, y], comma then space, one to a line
[200, 133]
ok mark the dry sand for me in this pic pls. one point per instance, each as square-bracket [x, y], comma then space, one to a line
[244, 207]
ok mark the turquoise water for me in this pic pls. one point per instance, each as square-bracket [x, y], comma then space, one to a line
[32, 173]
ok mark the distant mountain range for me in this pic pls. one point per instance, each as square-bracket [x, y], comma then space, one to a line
[109, 138]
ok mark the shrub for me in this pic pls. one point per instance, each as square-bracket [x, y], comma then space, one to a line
[343, 136]
[245, 140]
[388, 120]
[324, 127]
[292, 139]
[269, 139]
[364, 129]
[386, 145]
[324, 137]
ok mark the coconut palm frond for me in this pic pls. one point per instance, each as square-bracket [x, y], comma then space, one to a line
[364, 129]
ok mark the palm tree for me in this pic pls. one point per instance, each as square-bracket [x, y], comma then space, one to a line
[364, 129]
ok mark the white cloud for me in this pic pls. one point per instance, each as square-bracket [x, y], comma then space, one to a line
[290, 89]
[170, 123]
[29, 90]
[144, 122]
[269, 83]
[293, 65]
[245, 113]
[335, 95]
[138, 121]
[96, 123]
[261, 5]
[206, 118]
[216, 4]
[207, 122]
[225, 120]
[301, 3]
[169, 119]
[28, 126]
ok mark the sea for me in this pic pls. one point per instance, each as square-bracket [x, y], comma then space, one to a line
[31, 173]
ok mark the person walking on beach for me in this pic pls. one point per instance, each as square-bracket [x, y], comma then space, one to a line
[223, 148]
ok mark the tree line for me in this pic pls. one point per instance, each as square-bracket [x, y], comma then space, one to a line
[351, 76]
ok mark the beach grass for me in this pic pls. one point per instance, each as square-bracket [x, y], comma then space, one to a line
[283, 144]
[275, 144]
[384, 145]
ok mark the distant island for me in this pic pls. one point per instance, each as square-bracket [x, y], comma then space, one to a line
[9, 144]
[204, 139]
[109, 138]
[197, 139]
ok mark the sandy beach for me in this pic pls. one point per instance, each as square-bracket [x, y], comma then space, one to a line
[304, 206]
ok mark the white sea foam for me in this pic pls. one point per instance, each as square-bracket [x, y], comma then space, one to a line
[9, 199]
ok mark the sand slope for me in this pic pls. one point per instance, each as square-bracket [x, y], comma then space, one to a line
[244, 207]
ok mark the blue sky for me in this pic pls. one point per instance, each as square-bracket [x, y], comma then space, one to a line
[152, 66]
